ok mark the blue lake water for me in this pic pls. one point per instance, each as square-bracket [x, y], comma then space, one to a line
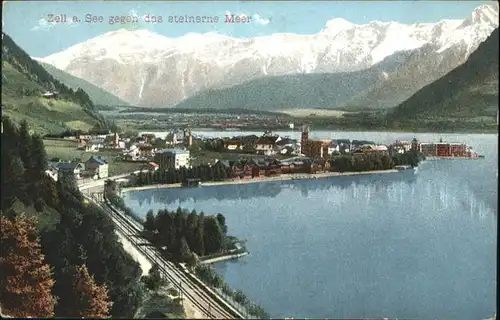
[388, 245]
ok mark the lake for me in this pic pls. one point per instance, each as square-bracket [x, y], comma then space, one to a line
[387, 245]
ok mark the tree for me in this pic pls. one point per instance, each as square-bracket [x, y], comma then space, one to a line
[198, 240]
[150, 221]
[240, 297]
[191, 225]
[154, 280]
[39, 159]
[222, 222]
[213, 235]
[184, 251]
[13, 184]
[90, 299]
[192, 260]
[9, 135]
[25, 144]
[25, 279]
[49, 191]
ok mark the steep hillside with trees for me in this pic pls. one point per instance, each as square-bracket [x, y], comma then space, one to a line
[24, 81]
[81, 235]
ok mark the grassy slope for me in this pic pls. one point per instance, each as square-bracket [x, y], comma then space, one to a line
[44, 115]
[46, 219]
[97, 95]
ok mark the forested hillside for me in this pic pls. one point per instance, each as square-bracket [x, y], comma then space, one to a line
[274, 93]
[59, 255]
[23, 83]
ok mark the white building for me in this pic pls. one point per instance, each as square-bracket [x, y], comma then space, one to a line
[405, 145]
[52, 171]
[333, 147]
[98, 167]
[91, 147]
[265, 145]
[380, 147]
[173, 158]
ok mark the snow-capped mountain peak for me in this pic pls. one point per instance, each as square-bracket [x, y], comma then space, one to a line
[485, 13]
[336, 25]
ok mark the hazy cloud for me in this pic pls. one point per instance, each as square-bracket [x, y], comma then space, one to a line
[255, 18]
[259, 20]
[133, 13]
[44, 25]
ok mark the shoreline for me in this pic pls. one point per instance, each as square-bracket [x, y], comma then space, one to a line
[287, 129]
[225, 258]
[283, 177]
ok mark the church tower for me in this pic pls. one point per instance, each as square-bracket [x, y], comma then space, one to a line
[304, 139]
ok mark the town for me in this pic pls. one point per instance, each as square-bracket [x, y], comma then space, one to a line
[241, 156]
[154, 120]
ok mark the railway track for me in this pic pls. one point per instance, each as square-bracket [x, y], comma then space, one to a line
[213, 306]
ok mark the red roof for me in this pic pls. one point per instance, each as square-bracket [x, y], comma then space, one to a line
[266, 140]
[233, 142]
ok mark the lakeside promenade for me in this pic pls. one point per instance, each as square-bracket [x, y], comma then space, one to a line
[224, 258]
[283, 177]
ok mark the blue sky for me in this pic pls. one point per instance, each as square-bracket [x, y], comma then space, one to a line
[26, 21]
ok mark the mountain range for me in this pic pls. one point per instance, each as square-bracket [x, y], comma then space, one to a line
[470, 90]
[374, 65]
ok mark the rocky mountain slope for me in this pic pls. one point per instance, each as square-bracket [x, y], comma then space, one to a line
[430, 62]
[96, 94]
[470, 90]
[23, 83]
[148, 69]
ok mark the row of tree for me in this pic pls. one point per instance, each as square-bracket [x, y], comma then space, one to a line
[218, 144]
[373, 161]
[210, 277]
[97, 129]
[202, 172]
[341, 163]
[79, 261]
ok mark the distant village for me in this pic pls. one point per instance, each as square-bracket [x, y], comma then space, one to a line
[268, 151]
